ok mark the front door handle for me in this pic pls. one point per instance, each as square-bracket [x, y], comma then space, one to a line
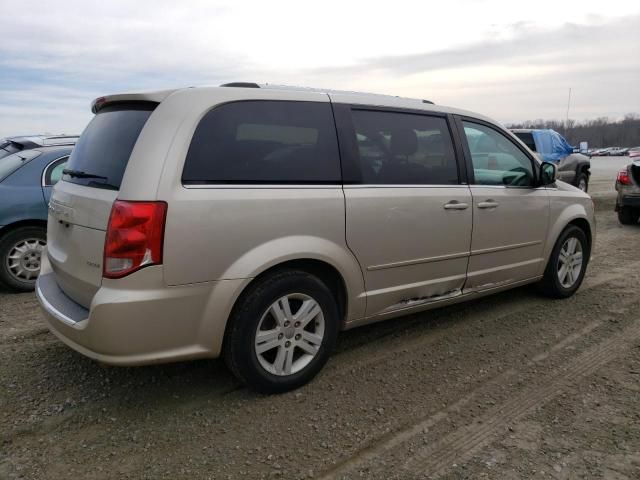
[488, 204]
[455, 205]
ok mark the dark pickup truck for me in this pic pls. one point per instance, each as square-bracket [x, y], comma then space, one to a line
[550, 146]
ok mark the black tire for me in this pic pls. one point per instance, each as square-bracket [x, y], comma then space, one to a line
[550, 284]
[582, 177]
[628, 215]
[239, 350]
[7, 242]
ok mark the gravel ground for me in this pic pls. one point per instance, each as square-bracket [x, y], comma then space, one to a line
[510, 386]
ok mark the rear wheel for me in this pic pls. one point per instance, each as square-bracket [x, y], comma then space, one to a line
[582, 181]
[20, 257]
[282, 331]
[628, 215]
[567, 264]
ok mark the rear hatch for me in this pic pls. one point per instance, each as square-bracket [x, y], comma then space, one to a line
[81, 203]
[635, 172]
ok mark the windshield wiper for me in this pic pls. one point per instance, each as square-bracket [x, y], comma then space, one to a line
[81, 174]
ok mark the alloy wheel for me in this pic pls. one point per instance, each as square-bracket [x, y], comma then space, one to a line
[569, 262]
[289, 334]
[24, 259]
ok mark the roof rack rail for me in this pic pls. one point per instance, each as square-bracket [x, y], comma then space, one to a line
[241, 85]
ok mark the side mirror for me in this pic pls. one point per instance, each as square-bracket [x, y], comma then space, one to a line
[548, 173]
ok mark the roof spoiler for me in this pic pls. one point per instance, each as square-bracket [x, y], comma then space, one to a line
[153, 97]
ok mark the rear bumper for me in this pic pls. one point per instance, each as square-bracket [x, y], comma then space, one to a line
[629, 200]
[628, 196]
[137, 321]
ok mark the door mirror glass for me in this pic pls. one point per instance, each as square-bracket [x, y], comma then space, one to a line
[547, 173]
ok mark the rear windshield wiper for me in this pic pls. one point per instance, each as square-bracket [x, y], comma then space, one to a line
[105, 185]
[81, 174]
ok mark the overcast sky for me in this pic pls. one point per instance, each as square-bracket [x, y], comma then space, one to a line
[509, 60]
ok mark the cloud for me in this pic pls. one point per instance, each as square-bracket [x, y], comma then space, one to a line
[526, 74]
[56, 57]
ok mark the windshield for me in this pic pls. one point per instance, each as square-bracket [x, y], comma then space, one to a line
[100, 157]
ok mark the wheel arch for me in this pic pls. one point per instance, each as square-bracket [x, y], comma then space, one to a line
[321, 269]
[583, 225]
[584, 167]
[574, 214]
[331, 262]
[22, 223]
[319, 256]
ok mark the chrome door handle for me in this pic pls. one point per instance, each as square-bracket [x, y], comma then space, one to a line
[455, 205]
[488, 204]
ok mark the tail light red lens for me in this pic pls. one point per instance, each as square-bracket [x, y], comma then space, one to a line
[134, 237]
[623, 177]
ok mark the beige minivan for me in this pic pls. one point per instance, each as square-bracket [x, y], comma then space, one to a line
[255, 222]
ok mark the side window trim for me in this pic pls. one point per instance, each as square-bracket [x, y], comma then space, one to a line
[46, 172]
[348, 147]
[347, 144]
[465, 174]
[467, 152]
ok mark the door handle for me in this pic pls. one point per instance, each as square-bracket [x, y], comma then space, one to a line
[488, 204]
[455, 205]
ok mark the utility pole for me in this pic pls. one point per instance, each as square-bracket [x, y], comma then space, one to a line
[566, 125]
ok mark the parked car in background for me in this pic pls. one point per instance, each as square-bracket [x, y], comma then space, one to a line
[256, 223]
[26, 178]
[601, 152]
[628, 188]
[618, 152]
[634, 152]
[550, 146]
[15, 144]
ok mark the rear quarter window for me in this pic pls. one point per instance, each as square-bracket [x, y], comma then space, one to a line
[264, 142]
[105, 146]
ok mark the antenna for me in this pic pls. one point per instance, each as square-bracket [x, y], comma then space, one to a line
[566, 125]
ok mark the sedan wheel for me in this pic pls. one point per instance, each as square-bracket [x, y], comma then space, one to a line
[21, 257]
[23, 261]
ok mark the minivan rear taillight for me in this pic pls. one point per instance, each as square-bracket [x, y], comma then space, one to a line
[134, 237]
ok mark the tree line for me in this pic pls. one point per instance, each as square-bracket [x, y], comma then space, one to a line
[599, 132]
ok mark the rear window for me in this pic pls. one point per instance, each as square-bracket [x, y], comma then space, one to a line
[13, 162]
[7, 148]
[264, 142]
[104, 148]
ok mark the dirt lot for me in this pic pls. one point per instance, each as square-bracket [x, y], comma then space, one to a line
[510, 386]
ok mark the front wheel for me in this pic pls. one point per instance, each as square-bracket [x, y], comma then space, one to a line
[567, 264]
[282, 331]
[20, 257]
